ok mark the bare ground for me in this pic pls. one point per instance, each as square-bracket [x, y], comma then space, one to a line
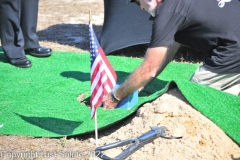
[63, 25]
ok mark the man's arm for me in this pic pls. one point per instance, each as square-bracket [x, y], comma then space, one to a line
[141, 76]
[155, 60]
[171, 51]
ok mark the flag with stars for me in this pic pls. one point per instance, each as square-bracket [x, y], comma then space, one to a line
[103, 77]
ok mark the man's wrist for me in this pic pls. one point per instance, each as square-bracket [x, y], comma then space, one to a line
[114, 96]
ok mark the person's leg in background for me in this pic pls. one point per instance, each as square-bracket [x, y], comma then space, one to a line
[229, 83]
[11, 34]
[29, 19]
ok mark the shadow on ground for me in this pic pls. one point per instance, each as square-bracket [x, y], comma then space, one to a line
[77, 35]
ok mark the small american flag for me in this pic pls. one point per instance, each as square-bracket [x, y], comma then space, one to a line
[103, 76]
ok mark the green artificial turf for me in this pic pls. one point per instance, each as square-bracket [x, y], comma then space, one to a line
[41, 101]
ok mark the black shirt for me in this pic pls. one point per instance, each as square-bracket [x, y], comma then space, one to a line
[210, 26]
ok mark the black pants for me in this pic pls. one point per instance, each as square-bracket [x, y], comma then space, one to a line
[18, 25]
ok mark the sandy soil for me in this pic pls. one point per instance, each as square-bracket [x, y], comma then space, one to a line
[63, 25]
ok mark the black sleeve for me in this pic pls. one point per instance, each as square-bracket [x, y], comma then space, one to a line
[165, 26]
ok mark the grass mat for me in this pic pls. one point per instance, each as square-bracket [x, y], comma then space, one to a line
[42, 101]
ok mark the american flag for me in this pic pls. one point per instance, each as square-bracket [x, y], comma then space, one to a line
[103, 76]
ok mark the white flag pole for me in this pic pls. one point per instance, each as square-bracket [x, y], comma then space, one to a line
[95, 117]
[96, 128]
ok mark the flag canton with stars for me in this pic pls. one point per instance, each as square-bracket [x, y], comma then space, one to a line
[94, 45]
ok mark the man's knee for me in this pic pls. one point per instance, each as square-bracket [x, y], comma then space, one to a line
[229, 83]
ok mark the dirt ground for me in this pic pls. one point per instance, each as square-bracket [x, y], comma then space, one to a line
[63, 25]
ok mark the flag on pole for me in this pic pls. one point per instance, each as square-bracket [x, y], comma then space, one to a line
[103, 76]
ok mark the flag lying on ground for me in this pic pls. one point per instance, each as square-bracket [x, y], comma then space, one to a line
[103, 76]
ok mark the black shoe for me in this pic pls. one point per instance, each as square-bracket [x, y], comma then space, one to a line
[39, 51]
[20, 62]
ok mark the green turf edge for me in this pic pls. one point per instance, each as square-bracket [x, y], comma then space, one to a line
[227, 118]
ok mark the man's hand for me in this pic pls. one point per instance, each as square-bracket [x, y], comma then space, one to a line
[141, 76]
[108, 102]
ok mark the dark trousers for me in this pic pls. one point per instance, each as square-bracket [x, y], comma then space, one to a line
[18, 25]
